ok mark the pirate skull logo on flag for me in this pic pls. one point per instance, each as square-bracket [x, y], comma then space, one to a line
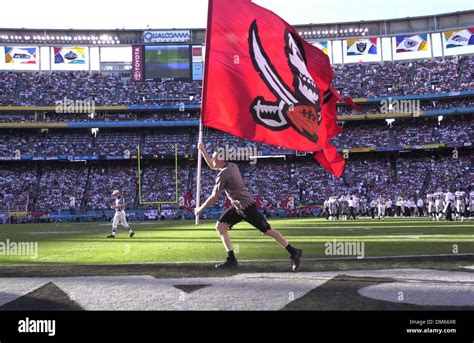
[297, 107]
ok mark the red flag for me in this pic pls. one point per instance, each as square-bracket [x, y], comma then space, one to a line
[263, 82]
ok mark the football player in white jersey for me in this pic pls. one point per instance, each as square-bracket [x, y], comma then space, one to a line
[388, 207]
[326, 209]
[399, 206]
[448, 205]
[420, 205]
[119, 217]
[351, 205]
[344, 207]
[439, 205]
[406, 207]
[471, 203]
[460, 205]
[333, 208]
[381, 208]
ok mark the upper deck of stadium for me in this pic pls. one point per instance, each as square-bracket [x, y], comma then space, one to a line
[310, 31]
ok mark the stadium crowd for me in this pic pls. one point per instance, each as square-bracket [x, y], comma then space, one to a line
[123, 144]
[44, 89]
[56, 186]
[439, 75]
[50, 187]
[357, 80]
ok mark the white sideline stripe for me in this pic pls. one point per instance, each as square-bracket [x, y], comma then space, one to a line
[66, 231]
[39, 233]
[335, 259]
[374, 236]
[321, 259]
[132, 223]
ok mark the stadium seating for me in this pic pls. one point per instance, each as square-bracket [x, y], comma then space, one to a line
[52, 186]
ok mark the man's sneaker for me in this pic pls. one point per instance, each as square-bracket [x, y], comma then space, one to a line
[111, 236]
[131, 234]
[296, 259]
[228, 264]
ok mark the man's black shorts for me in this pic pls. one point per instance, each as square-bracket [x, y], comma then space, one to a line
[250, 214]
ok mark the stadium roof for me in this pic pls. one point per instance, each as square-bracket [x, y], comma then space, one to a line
[340, 30]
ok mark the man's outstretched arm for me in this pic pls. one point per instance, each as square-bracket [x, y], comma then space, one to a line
[206, 156]
[216, 192]
[209, 202]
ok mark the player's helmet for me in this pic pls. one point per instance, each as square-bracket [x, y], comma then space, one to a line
[115, 192]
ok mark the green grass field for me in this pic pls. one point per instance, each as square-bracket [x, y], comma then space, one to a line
[181, 241]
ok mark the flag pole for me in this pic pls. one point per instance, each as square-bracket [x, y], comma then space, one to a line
[198, 172]
[203, 93]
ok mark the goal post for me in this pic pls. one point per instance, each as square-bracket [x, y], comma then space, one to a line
[158, 203]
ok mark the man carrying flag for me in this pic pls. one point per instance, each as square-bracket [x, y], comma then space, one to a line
[243, 208]
[264, 83]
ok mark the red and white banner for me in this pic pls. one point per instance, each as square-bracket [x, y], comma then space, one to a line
[137, 63]
[288, 203]
[263, 204]
[187, 202]
[264, 83]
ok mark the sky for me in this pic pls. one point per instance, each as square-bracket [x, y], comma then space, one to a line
[160, 14]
